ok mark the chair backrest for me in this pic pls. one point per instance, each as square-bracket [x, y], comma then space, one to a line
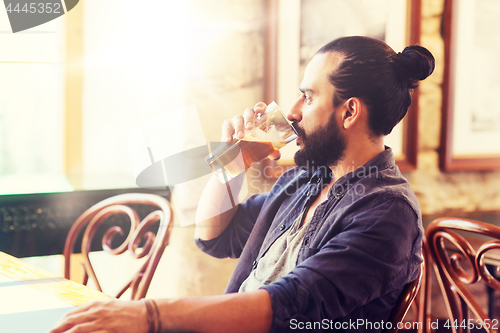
[404, 302]
[152, 250]
[450, 248]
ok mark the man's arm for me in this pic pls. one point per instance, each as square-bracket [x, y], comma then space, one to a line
[216, 208]
[242, 312]
[219, 202]
[237, 312]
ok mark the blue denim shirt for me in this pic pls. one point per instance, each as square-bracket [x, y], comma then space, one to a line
[362, 246]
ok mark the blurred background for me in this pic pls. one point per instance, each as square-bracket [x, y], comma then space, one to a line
[74, 89]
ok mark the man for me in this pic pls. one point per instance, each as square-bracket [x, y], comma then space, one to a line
[334, 242]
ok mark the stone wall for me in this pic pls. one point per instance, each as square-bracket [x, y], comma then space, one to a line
[225, 59]
[444, 192]
[224, 76]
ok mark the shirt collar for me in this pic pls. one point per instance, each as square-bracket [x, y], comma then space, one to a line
[372, 168]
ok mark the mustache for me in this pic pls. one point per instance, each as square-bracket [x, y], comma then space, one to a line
[300, 131]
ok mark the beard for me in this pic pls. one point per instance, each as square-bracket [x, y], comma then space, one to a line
[324, 147]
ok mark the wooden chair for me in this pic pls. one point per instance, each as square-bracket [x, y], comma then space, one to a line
[450, 250]
[404, 302]
[153, 248]
[422, 301]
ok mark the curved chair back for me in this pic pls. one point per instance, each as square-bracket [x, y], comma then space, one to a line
[404, 302]
[450, 250]
[153, 248]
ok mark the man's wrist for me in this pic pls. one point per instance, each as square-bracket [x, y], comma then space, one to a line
[153, 316]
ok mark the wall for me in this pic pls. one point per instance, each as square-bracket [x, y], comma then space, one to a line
[444, 192]
[227, 78]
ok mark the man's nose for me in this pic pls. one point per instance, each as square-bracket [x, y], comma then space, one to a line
[295, 112]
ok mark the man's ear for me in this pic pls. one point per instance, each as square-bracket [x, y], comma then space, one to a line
[352, 112]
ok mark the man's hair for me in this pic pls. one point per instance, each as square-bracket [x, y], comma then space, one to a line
[370, 70]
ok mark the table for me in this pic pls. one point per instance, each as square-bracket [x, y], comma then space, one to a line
[32, 300]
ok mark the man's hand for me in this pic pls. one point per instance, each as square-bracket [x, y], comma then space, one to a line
[216, 207]
[105, 317]
[239, 123]
[248, 312]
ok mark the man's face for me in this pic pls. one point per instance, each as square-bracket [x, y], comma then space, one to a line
[321, 140]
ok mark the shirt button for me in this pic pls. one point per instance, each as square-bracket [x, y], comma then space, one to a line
[282, 227]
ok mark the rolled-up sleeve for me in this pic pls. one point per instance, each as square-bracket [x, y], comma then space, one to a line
[230, 243]
[377, 251]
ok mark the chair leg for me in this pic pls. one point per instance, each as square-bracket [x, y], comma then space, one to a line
[424, 310]
[491, 293]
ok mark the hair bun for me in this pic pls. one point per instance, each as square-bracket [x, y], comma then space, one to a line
[414, 64]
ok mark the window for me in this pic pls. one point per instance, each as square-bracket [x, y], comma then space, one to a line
[74, 88]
